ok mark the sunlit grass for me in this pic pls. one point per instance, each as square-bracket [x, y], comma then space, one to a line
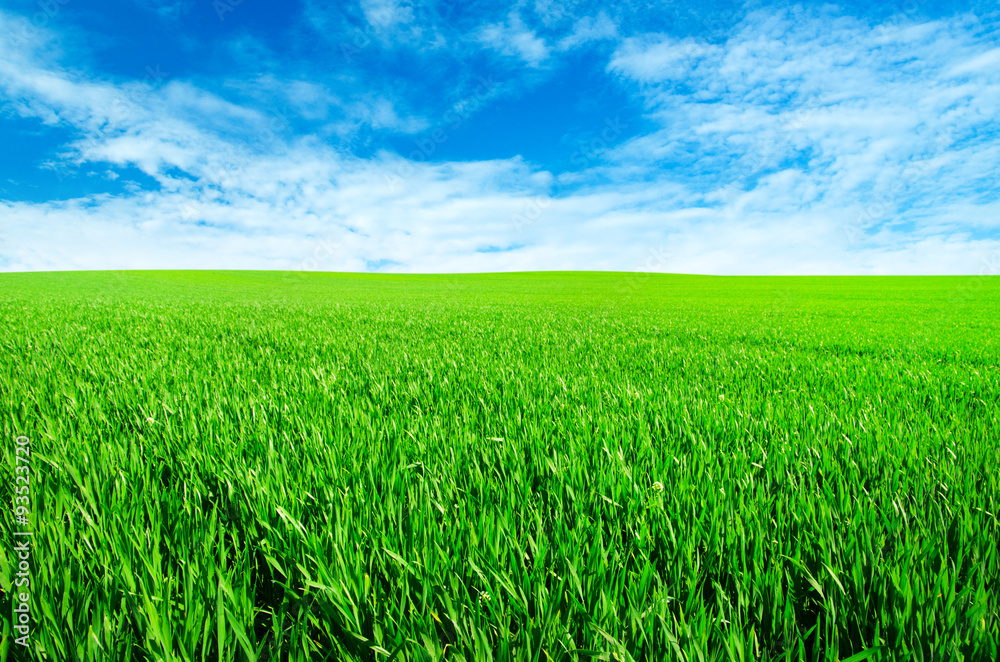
[267, 466]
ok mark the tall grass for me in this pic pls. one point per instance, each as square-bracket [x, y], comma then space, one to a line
[266, 466]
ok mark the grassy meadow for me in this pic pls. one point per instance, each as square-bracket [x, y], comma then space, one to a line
[539, 466]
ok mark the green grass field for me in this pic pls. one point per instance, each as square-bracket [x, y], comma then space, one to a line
[537, 466]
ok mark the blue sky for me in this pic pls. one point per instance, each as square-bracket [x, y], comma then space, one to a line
[422, 136]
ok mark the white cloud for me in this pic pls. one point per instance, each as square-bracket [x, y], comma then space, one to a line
[386, 13]
[514, 39]
[387, 23]
[589, 29]
[381, 114]
[862, 152]
[826, 115]
[312, 101]
[985, 62]
[659, 58]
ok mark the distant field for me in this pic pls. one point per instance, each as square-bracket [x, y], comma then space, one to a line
[536, 466]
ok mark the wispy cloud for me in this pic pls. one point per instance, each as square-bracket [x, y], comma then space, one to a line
[513, 38]
[804, 111]
[805, 141]
[589, 29]
[387, 13]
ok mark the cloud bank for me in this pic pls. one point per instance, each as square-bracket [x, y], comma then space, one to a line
[797, 141]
